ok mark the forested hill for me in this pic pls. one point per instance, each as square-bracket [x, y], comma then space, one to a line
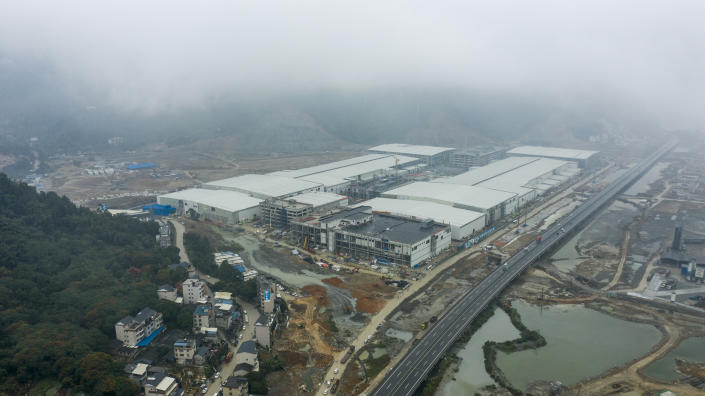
[64, 282]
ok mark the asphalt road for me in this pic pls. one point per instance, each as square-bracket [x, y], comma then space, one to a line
[413, 368]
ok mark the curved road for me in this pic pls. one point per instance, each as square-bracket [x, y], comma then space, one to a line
[183, 256]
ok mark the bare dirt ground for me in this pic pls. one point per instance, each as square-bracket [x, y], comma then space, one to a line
[370, 293]
[176, 169]
[305, 346]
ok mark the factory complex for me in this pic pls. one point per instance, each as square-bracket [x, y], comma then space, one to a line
[584, 158]
[384, 239]
[463, 223]
[394, 205]
[493, 204]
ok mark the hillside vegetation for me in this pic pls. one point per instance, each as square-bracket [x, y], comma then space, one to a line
[66, 276]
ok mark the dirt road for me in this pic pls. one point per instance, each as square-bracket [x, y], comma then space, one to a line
[673, 336]
[622, 260]
[183, 256]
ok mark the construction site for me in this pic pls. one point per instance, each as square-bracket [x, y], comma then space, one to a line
[370, 250]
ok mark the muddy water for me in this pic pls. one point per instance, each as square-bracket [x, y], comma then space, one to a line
[405, 336]
[664, 369]
[298, 279]
[607, 228]
[580, 343]
[471, 375]
[567, 257]
[641, 186]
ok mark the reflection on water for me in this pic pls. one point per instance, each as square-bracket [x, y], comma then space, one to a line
[580, 343]
[691, 349]
[471, 374]
[641, 186]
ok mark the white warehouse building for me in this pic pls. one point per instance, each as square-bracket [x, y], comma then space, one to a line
[527, 177]
[223, 206]
[494, 204]
[463, 223]
[539, 175]
[429, 154]
[337, 176]
[584, 158]
[265, 186]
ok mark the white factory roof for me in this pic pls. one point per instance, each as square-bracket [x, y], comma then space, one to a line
[232, 201]
[264, 185]
[423, 210]
[329, 166]
[478, 197]
[410, 149]
[352, 171]
[496, 184]
[325, 179]
[555, 152]
[317, 198]
[523, 175]
[484, 173]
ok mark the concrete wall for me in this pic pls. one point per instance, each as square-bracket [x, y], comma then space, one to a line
[467, 230]
[422, 250]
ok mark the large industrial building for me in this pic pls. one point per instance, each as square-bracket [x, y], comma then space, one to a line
[527, 177]
[431, 155]
[242, 198]
[363, 235]
[223, 206]
[279, 212]
[540, 175]
[265, 186]
[463, 223]
[309, 200]
[340, 176]
[494, 204]
[584, 158]
[477, 156]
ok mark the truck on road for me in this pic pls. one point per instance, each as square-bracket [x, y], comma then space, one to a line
[348, 354]
[335, 386]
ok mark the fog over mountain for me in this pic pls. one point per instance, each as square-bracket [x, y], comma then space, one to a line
[359, 72]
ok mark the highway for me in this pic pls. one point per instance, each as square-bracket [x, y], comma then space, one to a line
[413, 368]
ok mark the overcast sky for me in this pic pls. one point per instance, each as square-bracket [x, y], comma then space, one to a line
[161, 54]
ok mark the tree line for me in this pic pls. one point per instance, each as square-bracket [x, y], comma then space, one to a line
[67, 274]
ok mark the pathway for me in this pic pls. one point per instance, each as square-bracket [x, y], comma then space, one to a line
[622, 260]
[183, 256]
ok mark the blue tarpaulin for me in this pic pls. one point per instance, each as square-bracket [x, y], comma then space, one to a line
[145, 341]
[240, 268]
[159, 210]
[144, 165]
